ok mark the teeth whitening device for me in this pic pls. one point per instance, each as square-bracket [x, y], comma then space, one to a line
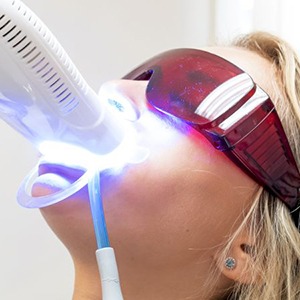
[43, 96]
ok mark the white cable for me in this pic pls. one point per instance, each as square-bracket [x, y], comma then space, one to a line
[111, 289]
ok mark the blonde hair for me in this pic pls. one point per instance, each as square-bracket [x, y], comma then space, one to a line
[276, 251]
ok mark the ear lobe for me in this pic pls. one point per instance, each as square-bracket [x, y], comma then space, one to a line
[241, 252]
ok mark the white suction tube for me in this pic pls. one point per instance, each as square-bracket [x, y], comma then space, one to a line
[42, 94]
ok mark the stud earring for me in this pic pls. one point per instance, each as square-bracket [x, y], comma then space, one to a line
[230, 263]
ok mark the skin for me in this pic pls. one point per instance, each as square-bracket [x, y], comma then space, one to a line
[168, 217]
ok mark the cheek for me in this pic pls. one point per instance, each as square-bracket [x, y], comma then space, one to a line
[184, 196]
[71, 221]
[174, 200]
[178, 214]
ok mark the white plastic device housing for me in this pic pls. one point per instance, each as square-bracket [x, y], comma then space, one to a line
[109, 274]
[42, 94]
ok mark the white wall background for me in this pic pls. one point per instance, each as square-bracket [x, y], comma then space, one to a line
[105, 39]
[280, 17]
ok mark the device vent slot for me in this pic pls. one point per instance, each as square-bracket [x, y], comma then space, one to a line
[3, 20]
[61, 94]
[24, 47]
[65, 97]
[32, 60]
[47, 72]
[69, 106]
[24, 13]
[29, 52]
[9, 31]
[5, 24]
[56, 88]
[20, 41]
[38, 63]
[51, 77]
[13, 37]
[54, 82]
[42, 68]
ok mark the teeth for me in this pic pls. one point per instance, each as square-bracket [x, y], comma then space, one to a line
[225, 96]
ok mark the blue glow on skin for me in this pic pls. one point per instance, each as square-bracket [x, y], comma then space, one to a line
[69, 155]
[152, 127]
[153, 131]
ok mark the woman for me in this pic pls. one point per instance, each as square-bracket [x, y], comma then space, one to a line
[188, 223]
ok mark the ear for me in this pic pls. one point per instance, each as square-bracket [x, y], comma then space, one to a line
[242, 252]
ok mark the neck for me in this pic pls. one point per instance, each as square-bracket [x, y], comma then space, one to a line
[143, 283]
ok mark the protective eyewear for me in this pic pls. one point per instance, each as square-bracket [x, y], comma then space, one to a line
[223, 103]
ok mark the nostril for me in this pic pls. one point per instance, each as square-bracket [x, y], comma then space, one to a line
[117, 105]
[124, 106]
[120, 95]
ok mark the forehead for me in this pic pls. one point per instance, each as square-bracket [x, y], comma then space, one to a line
[256, 66]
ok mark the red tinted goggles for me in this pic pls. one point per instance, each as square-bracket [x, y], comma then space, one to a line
[223, 103]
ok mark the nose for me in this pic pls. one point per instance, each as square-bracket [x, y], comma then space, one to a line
[128, 97]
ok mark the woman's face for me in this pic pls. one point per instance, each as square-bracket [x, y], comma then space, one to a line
[169, 214]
